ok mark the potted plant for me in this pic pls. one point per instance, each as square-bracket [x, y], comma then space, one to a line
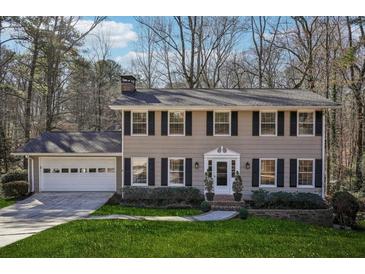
[208, 182]
[237, 187]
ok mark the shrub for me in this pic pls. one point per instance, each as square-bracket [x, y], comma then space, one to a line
[260, 198]
[15, 189]
[286, 200]
[19, 175]
[205, 206]
[237, 185]
[345, 207]
[243, 213]
[162, 196]
[208, 183]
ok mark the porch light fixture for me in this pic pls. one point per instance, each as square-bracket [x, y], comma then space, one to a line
[248, 165]
[196, 165]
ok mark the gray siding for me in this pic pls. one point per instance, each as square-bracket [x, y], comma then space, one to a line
[249, 147]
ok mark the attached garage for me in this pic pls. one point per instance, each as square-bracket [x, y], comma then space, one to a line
[74, 161]
[77, 174]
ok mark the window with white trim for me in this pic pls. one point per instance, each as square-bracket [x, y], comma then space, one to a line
[177, 123]
[305, 172]
[268, 123]
[176, 172]
[139, 123]
[306, 123]
[139, 171]
[222, 123]
[267, 172]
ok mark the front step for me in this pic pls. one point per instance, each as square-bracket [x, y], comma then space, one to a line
[221, 204]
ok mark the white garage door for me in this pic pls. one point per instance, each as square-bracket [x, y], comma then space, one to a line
[77, 174]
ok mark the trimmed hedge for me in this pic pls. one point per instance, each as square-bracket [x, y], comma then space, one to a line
[15, 189]
[162, 196]
[19, 175]
[287, 200]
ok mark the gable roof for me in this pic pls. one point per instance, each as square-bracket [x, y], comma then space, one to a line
[74, 142]
[221, 98]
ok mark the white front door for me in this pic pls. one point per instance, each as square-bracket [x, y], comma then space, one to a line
[221, 177]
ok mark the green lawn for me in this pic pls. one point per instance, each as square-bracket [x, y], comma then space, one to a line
[255, 237]
[137, 211]
[6, 202]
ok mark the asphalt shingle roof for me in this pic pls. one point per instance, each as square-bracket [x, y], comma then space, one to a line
[75, 142]
[222, 97]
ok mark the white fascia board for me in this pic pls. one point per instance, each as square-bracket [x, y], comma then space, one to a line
[66, 154]
[249, 108]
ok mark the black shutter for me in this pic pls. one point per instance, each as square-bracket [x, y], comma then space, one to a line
[151, 123]
[151, 171]
[188, 123]
[318, 171]
[127, 123]
[127, 171]
[255, 172]
[319, 123]
[234, 123]
[209, 123]
[280, 123]
[164, 121]
[293, 123]
[280, 173]
[188, 172]
[255, 123]
[164, 171]
[293, 172]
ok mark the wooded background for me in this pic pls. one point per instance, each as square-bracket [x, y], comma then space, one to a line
[51, 84]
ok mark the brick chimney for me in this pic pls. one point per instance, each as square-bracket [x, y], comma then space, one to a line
[128, 83]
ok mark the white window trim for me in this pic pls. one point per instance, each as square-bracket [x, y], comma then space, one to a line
[313, 173]
[229, 121]
[168, 172]
[314, 123]
[168, 122]
[139, 158]
[276, 170]
[139, 134]
[276, 123]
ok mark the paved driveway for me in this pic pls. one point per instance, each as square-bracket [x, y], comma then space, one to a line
[45, 210]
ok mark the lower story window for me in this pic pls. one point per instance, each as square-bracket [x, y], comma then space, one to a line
[305, 172]
[267, 172]
[176, 172]
[139, 171]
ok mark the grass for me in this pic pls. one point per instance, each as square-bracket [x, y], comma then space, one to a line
[254, 237]
[139, 211]
[4, 202]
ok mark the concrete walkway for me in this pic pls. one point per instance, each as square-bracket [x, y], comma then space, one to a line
[45, 210]
[210, 216]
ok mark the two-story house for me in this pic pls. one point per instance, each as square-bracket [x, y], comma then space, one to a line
[171, 137]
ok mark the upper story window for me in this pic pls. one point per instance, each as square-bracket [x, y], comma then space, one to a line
[139, 123]
[306, 123]
[176, 171]
[268, 172]
[305, 172]
[268, 121]
[222, 123]
[177, 123]
[139, 171]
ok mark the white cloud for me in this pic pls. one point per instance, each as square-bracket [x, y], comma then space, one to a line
[119, 34]
[127, 59]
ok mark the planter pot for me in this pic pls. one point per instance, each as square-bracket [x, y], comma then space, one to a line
[237, 196]
[209, 196]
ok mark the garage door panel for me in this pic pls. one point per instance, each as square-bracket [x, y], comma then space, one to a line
[103, 179]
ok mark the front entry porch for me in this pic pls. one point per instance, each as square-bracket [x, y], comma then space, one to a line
[222, 164]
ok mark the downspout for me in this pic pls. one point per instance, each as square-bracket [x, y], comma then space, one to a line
[122, 127]
[324, 169]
